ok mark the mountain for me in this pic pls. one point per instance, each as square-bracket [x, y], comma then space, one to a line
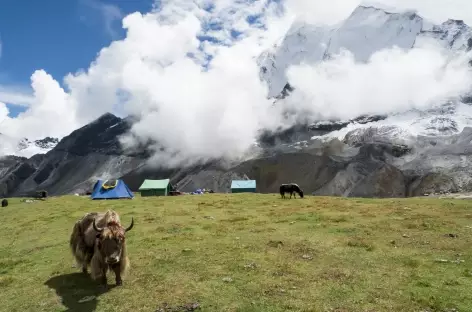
[368, 156]
[366, 31]
[74, 164]
[42, 146]
[365, 164]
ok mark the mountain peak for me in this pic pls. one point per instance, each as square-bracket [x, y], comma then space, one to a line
[378, 7]
[367, 30]
[29, 148]
[107, 117]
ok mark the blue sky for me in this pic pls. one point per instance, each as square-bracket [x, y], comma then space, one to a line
[60, 36]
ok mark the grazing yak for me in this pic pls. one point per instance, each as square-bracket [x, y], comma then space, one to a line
[4, 202]
[98, 240]
[291, 188]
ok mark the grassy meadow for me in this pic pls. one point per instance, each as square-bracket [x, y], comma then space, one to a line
[247, 252]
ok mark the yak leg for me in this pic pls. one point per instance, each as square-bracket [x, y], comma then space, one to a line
[103, 278]
[117, 269]
[87, 258]
[98, 269]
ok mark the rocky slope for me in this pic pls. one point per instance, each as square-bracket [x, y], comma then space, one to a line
[365, 164]
[74, 164]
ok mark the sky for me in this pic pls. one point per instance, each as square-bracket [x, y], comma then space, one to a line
[188, 69]
[58, 36]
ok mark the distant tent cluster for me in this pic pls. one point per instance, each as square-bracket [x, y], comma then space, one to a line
[117, 188]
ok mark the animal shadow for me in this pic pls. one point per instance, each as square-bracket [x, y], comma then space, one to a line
[75, 287]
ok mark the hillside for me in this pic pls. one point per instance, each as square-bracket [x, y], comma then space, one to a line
[361, 166]
[247, 253]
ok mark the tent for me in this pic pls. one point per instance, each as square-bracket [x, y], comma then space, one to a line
[156, 187]
[111, 189]
[243, 186]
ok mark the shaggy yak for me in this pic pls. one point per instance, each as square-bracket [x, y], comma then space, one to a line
[291, 188]
[4, 202]
[98, 240]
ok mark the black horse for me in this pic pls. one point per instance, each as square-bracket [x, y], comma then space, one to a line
[291, 188]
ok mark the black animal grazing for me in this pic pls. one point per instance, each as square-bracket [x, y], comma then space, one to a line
[4, 202]
[291, 188]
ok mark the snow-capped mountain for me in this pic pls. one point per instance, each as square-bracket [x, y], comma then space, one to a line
[366, 31]
[25, 147]
[28, 148]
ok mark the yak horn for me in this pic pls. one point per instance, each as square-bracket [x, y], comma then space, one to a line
[130, 226]
[96, 228]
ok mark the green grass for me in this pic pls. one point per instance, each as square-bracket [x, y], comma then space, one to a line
[312, 254]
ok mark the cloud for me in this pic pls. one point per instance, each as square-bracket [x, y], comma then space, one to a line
[192, 113]
[52, 112]
[392, 81]
[17, 95]
[109, 13]
[196, 109]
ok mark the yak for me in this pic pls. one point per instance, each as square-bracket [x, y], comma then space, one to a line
[4, 202]
[98, 240]
[291, 188]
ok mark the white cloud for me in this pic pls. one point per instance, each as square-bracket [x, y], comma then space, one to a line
[392, 81]
[196, 113]
[52, 112]
[109, 13]
[17, 95]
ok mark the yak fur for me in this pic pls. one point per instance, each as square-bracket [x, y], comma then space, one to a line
[100, 245]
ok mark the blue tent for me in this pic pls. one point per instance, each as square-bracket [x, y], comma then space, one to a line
[111, 189]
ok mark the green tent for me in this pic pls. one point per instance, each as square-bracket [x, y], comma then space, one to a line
[243, 186]
[155, 187]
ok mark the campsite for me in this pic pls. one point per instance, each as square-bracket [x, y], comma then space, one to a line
[246, 252]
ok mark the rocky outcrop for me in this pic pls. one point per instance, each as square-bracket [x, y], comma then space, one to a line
[15, 170]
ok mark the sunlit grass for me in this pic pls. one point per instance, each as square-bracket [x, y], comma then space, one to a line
[247, 252]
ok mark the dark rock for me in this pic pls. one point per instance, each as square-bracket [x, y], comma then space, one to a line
[386, 181]
[100, 136]
[432, 183]
[451, 235]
